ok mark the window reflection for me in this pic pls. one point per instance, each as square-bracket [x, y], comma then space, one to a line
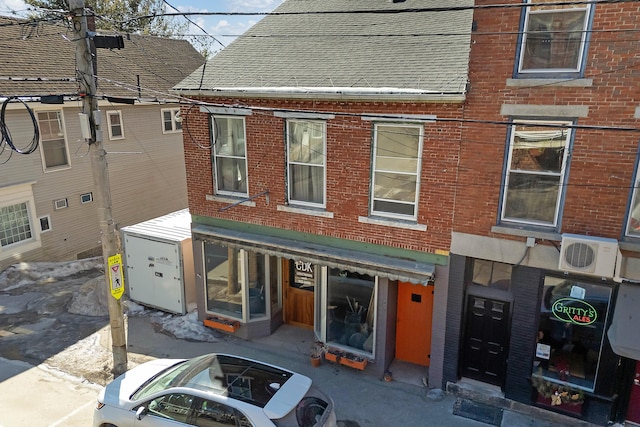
[350, 309]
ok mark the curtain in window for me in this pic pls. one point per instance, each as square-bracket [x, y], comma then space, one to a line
[229, 148]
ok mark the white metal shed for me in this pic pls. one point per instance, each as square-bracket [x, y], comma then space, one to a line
[158, 262]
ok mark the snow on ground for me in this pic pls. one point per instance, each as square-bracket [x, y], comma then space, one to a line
[90, 358]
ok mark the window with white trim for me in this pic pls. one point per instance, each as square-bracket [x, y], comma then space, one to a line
[19, 229]
[396, 170]
[553, 39]
[306, 161]
[171, 120]
[53, 142]
[229, 155]
[536, 173]
[116, 129]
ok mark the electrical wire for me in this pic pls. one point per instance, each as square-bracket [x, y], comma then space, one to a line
[6, 135]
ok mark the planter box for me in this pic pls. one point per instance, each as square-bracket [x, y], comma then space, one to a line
[222, 324]
[346, 359]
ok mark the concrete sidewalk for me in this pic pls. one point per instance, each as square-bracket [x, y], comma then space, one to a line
[40, 397]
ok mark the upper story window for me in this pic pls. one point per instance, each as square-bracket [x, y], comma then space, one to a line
[229, 155]
[306, 162]
[633, 222]
[554, 39]
[53, 142]
[114, 120]
[535, 174]
[171, 120]
[396, 170]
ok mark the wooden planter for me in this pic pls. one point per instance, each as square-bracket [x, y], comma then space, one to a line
[346, 359]
[221, 324]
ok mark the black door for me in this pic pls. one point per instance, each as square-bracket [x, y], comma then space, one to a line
[486, 335]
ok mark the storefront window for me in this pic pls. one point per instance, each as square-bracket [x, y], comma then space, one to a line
[573, 316]
[350, 310]
[232, 271]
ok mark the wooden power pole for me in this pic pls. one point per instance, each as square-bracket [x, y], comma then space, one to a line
[93, 135]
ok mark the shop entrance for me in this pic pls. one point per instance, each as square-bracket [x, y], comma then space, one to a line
[299, 282]
[486, 335]
[633, 413]
[413, 323]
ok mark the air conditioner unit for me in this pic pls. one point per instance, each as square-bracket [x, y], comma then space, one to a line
[595, 256]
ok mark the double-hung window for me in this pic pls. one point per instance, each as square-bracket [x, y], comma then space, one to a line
[55, 153]
[114, 119]
[306, 162]
[554, 39]
[536, 173]
[18, 223]
[396, 170]
[229, 155]
[171, 120]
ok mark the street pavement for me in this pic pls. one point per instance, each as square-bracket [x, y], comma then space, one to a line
[37, 396]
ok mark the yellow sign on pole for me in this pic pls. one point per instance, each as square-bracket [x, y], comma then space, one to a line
[115, 276]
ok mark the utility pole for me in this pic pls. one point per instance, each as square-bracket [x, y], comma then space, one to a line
[85, 74]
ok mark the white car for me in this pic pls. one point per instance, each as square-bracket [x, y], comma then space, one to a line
[210, 391]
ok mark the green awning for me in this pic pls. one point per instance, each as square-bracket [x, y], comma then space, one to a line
[360, 262]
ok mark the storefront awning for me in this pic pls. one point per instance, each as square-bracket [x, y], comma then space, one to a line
[623, 332]
[344, 259]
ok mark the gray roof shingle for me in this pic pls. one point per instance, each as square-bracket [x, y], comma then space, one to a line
[411, 51]
[39, 59]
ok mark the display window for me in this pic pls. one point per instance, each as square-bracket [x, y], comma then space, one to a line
[240, 282]
[573, 317]
[350, 310]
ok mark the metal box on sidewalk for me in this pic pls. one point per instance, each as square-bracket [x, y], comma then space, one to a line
[158, 259]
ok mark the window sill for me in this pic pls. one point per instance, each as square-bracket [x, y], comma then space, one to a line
[523, 232]
[533, 82]
[393, 223]
[631, 246]
[305, 211]
[231, 200]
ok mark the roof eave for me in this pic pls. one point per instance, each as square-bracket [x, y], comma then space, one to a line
[349, 94]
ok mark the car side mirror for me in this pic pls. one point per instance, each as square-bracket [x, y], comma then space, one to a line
[141, 412]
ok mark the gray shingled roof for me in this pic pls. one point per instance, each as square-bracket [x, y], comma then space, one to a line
[413, 51]
[45, 52]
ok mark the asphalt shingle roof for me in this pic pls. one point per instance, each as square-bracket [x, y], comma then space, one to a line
[39, 59]
[424, 51]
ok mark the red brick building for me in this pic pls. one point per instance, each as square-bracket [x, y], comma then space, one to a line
[544, 254]
[321, 165]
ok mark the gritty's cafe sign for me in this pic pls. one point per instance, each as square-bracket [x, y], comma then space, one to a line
[574, 311]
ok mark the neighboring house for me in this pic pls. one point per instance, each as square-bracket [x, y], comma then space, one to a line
[539, 297]
[321, 166]
[47, 206]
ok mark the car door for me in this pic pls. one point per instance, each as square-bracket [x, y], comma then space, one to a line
[168, 410]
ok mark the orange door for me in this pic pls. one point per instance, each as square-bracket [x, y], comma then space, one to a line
[298, 297]
[413, 323]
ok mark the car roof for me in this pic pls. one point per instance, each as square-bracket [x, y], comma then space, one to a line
[275, 389]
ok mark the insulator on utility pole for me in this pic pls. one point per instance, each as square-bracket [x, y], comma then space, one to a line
[85, 59]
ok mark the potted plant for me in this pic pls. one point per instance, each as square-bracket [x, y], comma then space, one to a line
[317, 350]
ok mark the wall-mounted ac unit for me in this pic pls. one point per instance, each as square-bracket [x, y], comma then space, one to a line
[595, 256]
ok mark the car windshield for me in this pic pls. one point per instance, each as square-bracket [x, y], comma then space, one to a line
[239, 378]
